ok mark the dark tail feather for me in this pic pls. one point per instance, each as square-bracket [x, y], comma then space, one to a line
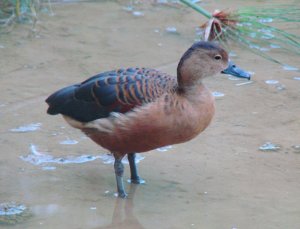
[66, 103]
[58, 100]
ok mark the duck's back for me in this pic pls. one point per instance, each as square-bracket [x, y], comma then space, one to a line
[113, 91]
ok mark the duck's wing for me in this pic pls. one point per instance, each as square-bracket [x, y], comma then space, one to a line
[114, 91]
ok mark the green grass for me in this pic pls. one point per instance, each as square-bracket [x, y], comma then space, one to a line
[20, 11]
[258, 29]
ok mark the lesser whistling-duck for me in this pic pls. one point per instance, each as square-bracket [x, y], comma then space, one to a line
[139, 109]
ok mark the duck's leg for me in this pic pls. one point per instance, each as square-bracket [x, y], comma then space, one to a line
[119, 171]
[135, 179]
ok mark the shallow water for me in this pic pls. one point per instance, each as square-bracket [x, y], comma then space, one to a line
[219, 180]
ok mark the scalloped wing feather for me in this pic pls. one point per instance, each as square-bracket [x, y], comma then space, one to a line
[113, 91]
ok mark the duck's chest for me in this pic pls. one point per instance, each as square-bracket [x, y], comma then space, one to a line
[194, 116]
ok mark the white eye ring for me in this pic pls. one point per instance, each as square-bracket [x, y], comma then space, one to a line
[218, 57]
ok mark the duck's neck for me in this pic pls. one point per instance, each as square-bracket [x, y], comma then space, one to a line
[188, 82]
[189, 79]
[189, 73]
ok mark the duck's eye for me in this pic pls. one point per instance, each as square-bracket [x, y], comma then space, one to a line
[218, 57]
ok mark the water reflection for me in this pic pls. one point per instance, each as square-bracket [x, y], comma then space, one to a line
[123, 216]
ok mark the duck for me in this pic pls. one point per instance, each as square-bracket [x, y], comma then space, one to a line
[134, 110]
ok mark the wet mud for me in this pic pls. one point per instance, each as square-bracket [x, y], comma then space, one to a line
[225, 178]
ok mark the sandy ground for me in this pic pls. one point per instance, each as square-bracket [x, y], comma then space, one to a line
[219, 180]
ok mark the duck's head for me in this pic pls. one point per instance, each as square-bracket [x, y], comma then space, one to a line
[204, 59]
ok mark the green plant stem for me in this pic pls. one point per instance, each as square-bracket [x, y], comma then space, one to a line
[197, 8]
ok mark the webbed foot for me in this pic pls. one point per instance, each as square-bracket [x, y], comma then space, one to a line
[136, 181]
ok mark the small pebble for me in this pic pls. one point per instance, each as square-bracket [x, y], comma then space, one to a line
[171, 29]
[271, 81]
[268, 146]
[218, 94]
[296, 148]
[280, 87]
[27, 128]
[137, 14]
[290, 68]
[68, 142]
